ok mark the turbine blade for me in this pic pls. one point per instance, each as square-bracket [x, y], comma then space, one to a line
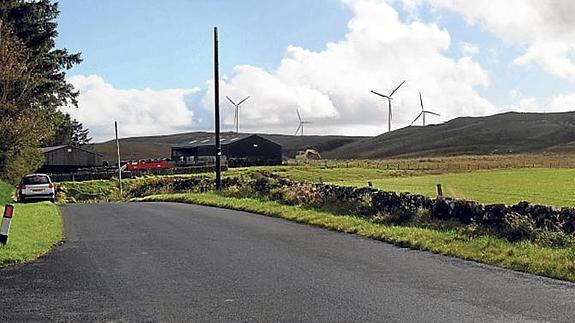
[244, 100]
[383, 95]
[421, 101]
[297, 130]
[227, 97]
[298, 115]
[430, 112]
[397, 88]
[418, 116]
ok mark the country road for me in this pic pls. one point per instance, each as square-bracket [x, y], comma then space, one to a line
[177, 262]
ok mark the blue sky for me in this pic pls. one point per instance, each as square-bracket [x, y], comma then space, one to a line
[143, 59]
[164, 45]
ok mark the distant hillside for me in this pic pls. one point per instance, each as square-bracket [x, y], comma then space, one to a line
[160, 146]
[498, 134]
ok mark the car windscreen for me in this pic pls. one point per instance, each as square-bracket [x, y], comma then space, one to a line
[31, 180]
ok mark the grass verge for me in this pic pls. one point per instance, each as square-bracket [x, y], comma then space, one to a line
[5, 193]
[35, 228]
[522, 256]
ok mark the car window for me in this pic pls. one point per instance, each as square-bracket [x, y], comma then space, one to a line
[31, 180]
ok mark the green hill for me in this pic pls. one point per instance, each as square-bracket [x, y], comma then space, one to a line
[160, 146]
[505, 133]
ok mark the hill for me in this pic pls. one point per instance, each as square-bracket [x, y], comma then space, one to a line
[504, 133]
[160, 146]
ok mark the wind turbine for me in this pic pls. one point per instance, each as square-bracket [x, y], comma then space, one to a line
[237, 112]
[388, 97]
[301, 123]
[423, 112]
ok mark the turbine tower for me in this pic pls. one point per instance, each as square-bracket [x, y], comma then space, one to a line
[301, 123]
[423, 112]
[237, 112]
[388, 97]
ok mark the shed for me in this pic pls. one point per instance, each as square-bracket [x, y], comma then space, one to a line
[66, 158]
[237, 150]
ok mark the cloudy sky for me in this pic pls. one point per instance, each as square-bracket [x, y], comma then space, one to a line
[148, 64]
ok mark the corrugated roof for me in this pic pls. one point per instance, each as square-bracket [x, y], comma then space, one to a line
[49, 149]
[54, 148]
[210, 141]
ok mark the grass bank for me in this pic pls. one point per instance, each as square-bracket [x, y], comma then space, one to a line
[521, 256]
[35, 228]
[5, 193]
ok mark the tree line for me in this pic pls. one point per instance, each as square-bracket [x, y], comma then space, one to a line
[33, 87]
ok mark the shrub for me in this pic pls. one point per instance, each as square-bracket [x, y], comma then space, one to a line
[517, 226]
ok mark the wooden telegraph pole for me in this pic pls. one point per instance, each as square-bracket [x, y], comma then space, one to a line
[119, 166]
[217, 112]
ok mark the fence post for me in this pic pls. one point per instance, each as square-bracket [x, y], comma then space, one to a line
[439, 190]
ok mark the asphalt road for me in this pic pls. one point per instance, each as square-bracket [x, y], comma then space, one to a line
[176, 262]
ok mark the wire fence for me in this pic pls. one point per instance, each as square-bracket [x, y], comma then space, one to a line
[448, 164]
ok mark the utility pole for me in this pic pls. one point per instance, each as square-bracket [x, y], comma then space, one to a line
[119, 166]
[217, 112]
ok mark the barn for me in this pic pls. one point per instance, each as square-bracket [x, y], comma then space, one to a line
[237, 150]
[66, 158]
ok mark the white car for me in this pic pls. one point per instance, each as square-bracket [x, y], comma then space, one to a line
[36, 187]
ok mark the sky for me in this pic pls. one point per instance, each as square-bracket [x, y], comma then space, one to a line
[149, 64]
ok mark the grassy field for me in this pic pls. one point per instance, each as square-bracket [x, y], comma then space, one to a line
[35, 228]
[543, 186]
[523, 256]
[548, 186]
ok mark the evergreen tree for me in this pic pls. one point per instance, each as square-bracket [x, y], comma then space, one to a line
[32, 84]
[80, 136]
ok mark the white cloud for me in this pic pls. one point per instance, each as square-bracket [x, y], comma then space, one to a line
[332, 86]
[138, 112]
[529, 104]
[468, 49]
[545, 28]
[564, 102]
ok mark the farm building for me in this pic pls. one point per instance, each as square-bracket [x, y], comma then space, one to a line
[61, 159]
[237, 150]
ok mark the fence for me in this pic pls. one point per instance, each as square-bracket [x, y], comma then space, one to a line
[448, 164]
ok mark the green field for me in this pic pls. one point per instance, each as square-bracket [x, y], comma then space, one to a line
[35, 228]
[548, 186]
[555, 187]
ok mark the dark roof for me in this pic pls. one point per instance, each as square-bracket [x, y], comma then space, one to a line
[49, 149]
[210, 140]
[54, 148]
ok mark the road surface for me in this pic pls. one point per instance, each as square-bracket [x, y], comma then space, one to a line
[177, 262]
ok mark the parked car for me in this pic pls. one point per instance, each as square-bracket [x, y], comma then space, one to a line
[36, 187]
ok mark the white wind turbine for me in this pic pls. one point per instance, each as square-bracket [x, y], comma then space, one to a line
[388, 97]
[301, 123]
[423, 112]
[237, 112]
